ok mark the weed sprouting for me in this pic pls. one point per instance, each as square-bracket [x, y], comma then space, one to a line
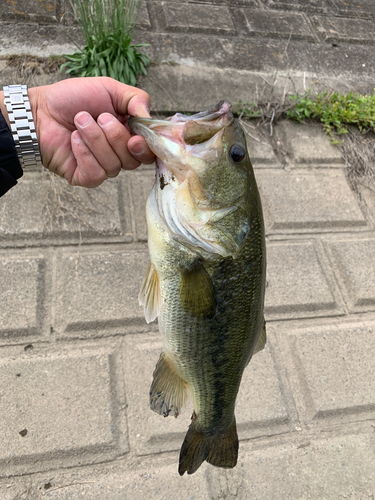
[107, 27]
[335, 110]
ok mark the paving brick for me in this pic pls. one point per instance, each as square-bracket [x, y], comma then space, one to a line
[306, 201]
[60, 210]
[9, 491]
[334, 29]
[260, 150]
[247, 3]
[221, 52]
[307, 143]
[39, 40]
[304, 5]
[67, 16]
[366, 199]
[144, 18]
[337, 468]
[349, 8]
[57, 409]
[354, 264]
[97, 293]
[193, 18]
[235, 52]
[140, 185]
[335, 366]
[296, 283]
[152, 478]
[29, 10]
[150, 433]
[22, 282]
[279, 25]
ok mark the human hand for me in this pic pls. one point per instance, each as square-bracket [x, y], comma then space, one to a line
[81, 128]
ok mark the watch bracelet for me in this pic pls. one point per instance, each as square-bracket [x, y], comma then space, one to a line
[22, 125]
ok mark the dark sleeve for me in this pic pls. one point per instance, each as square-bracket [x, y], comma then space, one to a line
[10, 167]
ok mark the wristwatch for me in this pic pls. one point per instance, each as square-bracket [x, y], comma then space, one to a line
[22, 125]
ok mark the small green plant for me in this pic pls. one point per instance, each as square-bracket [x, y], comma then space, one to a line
[247, 110]
[107, 27]
[335, 110]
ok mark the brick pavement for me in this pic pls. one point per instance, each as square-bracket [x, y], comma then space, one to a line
[331, 40]
[76, 356]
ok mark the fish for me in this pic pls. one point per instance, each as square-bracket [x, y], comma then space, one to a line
[206, 278]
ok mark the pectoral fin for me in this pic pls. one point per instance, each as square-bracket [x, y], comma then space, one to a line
[222, 240]
[150, 294]
[197, 292]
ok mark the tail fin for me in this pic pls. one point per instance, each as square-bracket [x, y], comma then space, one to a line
[220, 450]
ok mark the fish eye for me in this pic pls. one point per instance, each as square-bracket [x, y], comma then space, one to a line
[237, 153]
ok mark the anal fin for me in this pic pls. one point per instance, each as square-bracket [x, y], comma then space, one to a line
[150, 294]
[169, 391]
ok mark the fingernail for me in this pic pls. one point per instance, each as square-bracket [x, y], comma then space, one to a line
[76, 137]
[138, 148]
[105, 118]
[144, 113]
[83, 119]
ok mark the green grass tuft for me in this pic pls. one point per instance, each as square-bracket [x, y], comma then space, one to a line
[335, 110]
[107, 27]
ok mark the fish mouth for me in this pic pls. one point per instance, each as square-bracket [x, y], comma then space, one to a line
[173, 140]
[219, 110]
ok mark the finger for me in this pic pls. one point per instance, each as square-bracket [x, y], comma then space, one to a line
[88, 172]
[96, 141]
[139, 105]
[118, 136]
[138, 147]
[127, 100]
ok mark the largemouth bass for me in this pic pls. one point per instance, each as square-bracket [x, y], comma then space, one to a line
[206, 277]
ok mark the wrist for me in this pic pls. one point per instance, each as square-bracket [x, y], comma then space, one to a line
[33, 93]
[3, 108]
[20, 119]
